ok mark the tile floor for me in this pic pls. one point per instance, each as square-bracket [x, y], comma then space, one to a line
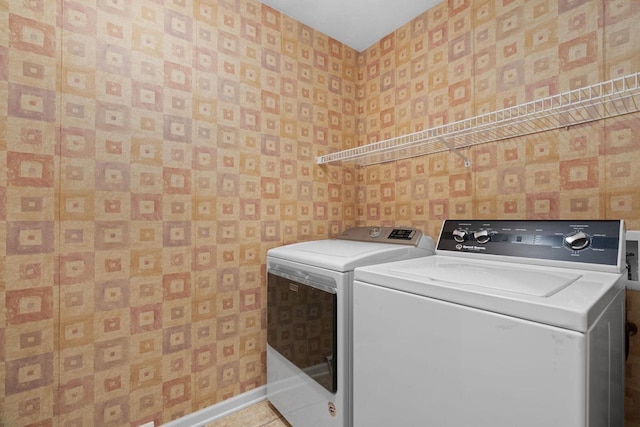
[262, 414]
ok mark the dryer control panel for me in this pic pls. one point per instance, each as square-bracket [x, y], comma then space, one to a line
[403, 236]
[598, 242]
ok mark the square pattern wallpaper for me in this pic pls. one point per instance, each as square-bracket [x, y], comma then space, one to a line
[152, 151]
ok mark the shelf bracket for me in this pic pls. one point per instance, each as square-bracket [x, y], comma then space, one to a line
[455, 151]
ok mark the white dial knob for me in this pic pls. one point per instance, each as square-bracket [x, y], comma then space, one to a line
[578, 241]
[482, 236]
[375, 232]
[459, 235]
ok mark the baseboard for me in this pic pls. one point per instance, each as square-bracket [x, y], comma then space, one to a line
[221, 409]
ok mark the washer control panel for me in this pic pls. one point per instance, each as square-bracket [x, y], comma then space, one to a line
[594, 242]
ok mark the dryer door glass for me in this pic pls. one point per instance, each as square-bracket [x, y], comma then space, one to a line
[302, 326]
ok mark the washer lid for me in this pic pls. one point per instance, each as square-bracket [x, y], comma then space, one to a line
[345, 255]
[456, 272]
[562, 297]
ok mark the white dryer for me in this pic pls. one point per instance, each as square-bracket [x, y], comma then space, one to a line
[309, 318]
[511, 323]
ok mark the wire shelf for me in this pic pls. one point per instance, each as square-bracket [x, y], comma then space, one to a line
[596, 102]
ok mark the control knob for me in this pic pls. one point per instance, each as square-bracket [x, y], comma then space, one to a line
[482, 236]
[459, 235]
[578, 241]
[375, 232]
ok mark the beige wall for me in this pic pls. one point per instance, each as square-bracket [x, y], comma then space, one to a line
[152, 151]
[155, 150]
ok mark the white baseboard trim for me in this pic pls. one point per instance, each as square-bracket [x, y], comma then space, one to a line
[220, 409]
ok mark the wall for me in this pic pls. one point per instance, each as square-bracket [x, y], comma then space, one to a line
[463, 58]
[151, 152]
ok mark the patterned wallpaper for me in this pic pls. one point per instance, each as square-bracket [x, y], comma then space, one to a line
[155, 149]
[465, 58]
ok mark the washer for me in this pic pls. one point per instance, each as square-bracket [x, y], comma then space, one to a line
[511, 323]
[309, 318]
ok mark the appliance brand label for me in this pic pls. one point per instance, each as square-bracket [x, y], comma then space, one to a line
[470, 248]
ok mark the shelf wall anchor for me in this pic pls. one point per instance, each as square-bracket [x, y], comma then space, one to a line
[455, 151]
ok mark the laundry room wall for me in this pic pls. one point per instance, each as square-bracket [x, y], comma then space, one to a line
[151, 152]
[464, 58]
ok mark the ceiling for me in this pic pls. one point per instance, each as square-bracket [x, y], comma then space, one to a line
[356, 23]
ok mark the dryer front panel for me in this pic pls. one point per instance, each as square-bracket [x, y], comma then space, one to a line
[302, 326]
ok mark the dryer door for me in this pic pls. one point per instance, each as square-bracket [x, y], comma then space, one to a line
[302, 324]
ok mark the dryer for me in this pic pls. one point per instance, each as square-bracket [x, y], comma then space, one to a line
[309, 318]
[511, 323]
